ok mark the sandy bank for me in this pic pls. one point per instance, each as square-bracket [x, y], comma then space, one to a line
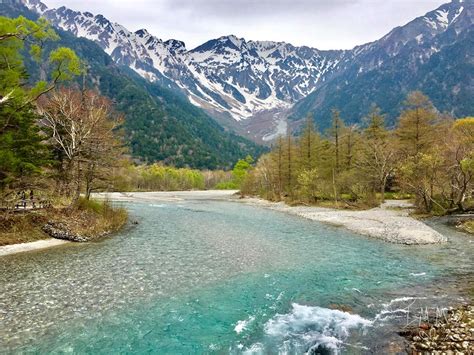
[40, 244]
[166, 196]
[389, 222]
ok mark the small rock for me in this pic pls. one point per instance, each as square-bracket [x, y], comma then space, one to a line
[424, 326]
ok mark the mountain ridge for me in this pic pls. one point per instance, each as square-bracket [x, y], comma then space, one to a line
[253, 84]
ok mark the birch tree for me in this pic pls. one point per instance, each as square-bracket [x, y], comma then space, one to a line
[81, 127]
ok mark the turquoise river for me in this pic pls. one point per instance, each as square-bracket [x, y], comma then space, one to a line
[202, 276]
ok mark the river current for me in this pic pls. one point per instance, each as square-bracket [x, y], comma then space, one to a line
[220, 277]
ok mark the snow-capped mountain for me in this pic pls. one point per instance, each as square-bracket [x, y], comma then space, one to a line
[419, 31]
[433, 53]
[250, 79]
[227, 74]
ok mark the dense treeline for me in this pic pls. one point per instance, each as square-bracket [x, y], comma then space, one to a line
[428, 155]
[157, 177]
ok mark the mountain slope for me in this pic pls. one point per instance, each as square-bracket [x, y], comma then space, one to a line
[433, 53]
[160, 124]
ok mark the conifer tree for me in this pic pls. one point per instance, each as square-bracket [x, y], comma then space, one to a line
[378, 156]
[415, 127]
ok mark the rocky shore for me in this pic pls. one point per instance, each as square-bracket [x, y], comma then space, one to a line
[451, 332]
[59, 230]
[390, 222]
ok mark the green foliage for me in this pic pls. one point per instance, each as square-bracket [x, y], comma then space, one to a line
[65, 63]
[95, 206]
[241, 170]
[309, 183]
[157, 177]
[228, 185]
[22, 150]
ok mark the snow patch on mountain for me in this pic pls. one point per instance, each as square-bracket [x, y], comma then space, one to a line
[239, 77]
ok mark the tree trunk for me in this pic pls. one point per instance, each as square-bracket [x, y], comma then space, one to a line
[334, 186]
[77, 192]
[382, 189]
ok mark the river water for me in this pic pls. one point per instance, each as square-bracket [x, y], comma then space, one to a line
[206, 276]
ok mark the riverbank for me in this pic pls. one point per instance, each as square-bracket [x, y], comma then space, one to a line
[167, 196]
[24, 247]
[391, 222]
[88, 221]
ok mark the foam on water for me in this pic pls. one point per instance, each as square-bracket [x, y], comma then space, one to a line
[418, 274]
[242, 324]
[306, 329]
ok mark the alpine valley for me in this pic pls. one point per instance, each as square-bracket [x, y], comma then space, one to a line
[254, 88]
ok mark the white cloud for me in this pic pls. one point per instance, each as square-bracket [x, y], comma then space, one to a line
[324, 24]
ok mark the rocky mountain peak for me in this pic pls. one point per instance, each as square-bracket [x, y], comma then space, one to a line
[244, 79]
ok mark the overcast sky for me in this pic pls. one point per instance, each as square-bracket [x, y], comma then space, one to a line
[324, 24]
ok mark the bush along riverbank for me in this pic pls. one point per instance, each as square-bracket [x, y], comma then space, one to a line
[447, 332]
[88, 220]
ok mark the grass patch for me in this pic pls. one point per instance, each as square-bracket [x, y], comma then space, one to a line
[396, 196]
[20, 227]
[92, 218]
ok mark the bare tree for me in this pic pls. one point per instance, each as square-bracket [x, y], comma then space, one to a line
[81, 127]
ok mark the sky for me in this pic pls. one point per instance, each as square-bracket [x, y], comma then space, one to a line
[323, 24]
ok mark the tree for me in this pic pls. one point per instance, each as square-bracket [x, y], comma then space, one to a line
[459, 152]
[350, 140]
[103, 152]
[415, 127]
[22, 148]
[308, 146]
[81, 127]
[277, 158]
[420, 177]
[378, 156]
[335, 134]
[241, 170]
[22, 152]
[14, 35]
[309, 183]
[289, 164]
[415, 134]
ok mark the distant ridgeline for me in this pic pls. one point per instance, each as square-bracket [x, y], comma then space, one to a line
[160, 124]
[251, 86]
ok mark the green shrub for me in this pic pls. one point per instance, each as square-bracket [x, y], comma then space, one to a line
[229, 185]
